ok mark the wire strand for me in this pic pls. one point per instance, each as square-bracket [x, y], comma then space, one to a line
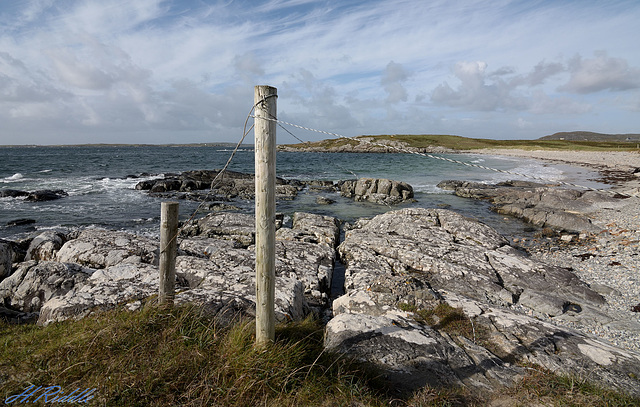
[408, 151]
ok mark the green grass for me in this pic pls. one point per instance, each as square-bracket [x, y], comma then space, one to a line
[164, 357]
[465, 143]
[178, 357]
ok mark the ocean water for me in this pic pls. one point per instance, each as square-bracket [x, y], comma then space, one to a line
[100, 181]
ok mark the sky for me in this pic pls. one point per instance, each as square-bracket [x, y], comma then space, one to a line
[184, 71]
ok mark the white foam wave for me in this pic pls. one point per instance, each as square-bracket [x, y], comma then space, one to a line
[15, 177]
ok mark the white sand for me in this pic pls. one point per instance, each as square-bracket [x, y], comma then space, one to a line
[618, 160]
[608, 160]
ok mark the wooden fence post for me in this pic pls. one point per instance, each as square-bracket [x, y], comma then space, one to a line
[168, 251]
[265, 170]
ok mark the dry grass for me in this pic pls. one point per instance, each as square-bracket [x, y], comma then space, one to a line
[176, 356]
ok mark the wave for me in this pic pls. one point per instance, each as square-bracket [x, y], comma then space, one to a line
[15, 177]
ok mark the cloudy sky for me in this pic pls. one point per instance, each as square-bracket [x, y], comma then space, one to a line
[183, 71]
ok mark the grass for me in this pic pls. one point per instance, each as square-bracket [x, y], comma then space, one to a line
[466, 143]
[162, 357]
[177, 356]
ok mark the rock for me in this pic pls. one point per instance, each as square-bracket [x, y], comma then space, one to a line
[414, 355]
[45, 246]
[103, 289]
[21, 222]
[230, 185]
[33, 283]
[305, 253]
[98, 248]
[323, 200]
[238, 227]
[325, 229]
[45, 195]
[423, 259]
[12, 193]
[380, 191]
[6, 257]
[541, 205]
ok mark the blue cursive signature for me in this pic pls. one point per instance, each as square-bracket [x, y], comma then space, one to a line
[50, 394]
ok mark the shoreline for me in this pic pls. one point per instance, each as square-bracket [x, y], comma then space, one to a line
[621, 169]
[609, 261]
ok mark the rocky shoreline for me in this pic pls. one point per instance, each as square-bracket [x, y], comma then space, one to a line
[431, 297]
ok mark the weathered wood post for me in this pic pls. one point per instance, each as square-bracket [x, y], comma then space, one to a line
[265, 168]
[168, 251]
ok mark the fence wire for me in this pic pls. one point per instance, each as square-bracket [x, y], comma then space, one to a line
[436, 157]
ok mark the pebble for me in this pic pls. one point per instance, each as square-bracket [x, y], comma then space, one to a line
[609, 263]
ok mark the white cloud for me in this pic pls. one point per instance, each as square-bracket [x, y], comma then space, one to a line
[392, 79]
[601, 73]
[154, 67]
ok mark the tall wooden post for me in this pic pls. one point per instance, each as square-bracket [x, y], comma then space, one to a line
[265, 168]
[168, 251]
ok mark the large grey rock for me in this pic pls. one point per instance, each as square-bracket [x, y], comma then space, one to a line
[437, 247]
[312, 228]
[539, 204]
[237, 227]
[33, 283]
[100, 248]
[103, 289]
[380, 191]
[415, 355]
[45, 246]
[420, 258]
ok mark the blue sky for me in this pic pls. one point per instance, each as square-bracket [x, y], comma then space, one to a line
[156, 71]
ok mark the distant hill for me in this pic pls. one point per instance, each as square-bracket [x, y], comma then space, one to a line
[591, 136]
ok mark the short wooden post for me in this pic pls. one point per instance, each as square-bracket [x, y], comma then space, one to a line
[265, 169]
[168, 251]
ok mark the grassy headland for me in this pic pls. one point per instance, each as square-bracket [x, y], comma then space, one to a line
[177, 356]
[458, 143]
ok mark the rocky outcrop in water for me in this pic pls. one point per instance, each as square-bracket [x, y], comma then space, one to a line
[541, 205]
[35, 196]
[435, 298]
[228, 186]
[379, 191]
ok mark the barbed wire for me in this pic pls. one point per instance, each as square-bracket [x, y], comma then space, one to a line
[428, 155]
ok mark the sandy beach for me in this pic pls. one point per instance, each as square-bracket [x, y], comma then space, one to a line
[609, 261]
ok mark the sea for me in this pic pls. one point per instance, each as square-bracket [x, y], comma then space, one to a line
[100, 182]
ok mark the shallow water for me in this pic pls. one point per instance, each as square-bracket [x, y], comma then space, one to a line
[100, 181]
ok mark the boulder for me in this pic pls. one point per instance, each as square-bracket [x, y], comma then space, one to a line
[102, 289]
[99, 248]
[45, 246]
[304, 252]
[234, 226]
[33, 283]
[405, 265]
[379, 191]
[45, 195]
